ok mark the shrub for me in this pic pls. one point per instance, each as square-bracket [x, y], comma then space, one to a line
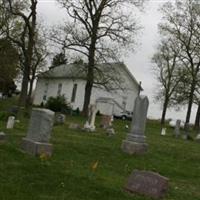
[77, 111]
[57, 104]
[98, 113]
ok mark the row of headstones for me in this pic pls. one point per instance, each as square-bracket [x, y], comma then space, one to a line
[143, 182]
[177, 128]
[177, 131]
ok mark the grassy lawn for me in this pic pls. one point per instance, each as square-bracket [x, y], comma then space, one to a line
[68, 173]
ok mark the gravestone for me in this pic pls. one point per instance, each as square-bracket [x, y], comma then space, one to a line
[110, 131]
[135, 141]
[177, 128]
[74, 126]
[59, 118]
[163, 131]
[106, 121]
[147, 183]
[10, 122]
[40, 127]
[2, 137]
[186, 132]
[90, 123]
[197, 138]
[14, 110]
[106, 107]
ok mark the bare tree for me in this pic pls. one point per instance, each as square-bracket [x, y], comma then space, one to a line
[182, 23]
[20, 30]
[39, 61]
[168, 73]
[97, 29]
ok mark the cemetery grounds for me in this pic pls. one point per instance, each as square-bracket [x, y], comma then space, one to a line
[91, 166]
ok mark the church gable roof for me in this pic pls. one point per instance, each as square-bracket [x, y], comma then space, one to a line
[78, 71]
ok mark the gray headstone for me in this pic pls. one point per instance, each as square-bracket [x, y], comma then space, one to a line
[177, 128]
[110, 131]
[135, 141]
[186, 131]
[74, 126]
[147, 183]
[14, 110]
[39, 131]
[59, 118]
[41, 124]
[106, 121]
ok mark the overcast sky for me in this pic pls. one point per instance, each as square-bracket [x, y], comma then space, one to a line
[139, 62]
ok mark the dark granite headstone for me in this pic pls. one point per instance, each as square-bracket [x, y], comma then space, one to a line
[59, 119]
[147, 183]
[2, 137]
[14, 109]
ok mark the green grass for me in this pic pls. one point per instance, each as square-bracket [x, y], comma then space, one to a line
[68, 173]
[6, 103]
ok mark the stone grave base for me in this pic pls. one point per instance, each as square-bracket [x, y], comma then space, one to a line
[36, 148]
[133, 147]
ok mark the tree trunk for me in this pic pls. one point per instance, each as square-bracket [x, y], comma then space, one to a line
[24, 89]
[88, 91]
[90, 76]
[28, 54]
[189, 109]
[197, 119]
[29, 100]
[165, 105]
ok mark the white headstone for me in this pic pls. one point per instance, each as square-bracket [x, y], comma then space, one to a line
[10, 122]
[163, 131]
[198, 137]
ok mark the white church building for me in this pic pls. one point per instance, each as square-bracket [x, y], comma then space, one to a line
[120, 88]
